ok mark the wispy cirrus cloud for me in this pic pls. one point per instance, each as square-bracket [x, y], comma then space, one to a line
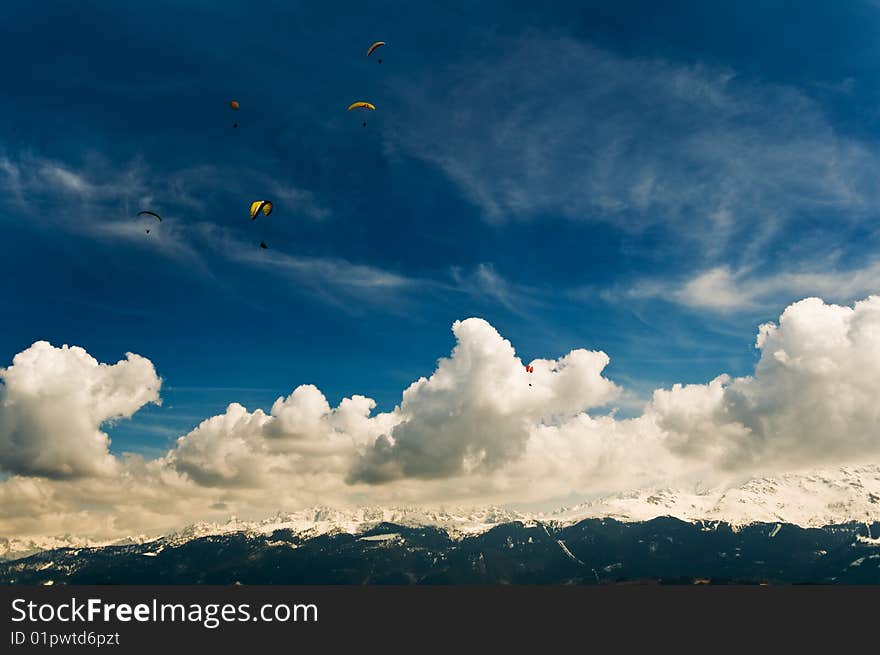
[485, 282]
[333, 279]
[544, 126]
[106, 190]
[100, 201]
[721, 289]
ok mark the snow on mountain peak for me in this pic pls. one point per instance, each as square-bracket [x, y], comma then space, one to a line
[812, 499]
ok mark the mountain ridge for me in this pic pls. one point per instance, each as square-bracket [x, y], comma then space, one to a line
[817, 498]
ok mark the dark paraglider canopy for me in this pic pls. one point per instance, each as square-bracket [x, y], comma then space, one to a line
[377, 44]
[263, 245]
[146, 212]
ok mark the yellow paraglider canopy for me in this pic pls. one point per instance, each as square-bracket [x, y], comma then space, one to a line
[377, 44]
[365, 105]
[258, 206]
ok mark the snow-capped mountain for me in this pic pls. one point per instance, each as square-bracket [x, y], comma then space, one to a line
[309, 522]
[22, 547]
[813, 499]
[315, 521]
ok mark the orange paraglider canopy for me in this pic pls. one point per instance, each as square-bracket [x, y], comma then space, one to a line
[234, 104]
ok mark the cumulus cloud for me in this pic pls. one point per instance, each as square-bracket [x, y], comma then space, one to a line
[223, 450]
[477, 409]
[53, 402]
[302, 435]
[812, 398]
[474, 413]
[474, 431]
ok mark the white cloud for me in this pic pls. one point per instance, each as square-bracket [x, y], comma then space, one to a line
[101, 201]
[474, 431]
[486, 282]
[474, 413]
[540, 126]
[333, 280]
[124, 188]
[298, 200]
[53, 402]
[301, 436]
[811, 400]
[477, 409]
[716, 289]
[39, 183]
[721, 289]
[12, 182]
[67, 179]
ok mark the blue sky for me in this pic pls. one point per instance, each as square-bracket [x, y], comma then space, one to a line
[615, 176]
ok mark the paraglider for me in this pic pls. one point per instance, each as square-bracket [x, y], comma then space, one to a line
[362, 105]
[377, 44]
[234, 104]
[149, 213]
[530, 369]
[258, 206]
